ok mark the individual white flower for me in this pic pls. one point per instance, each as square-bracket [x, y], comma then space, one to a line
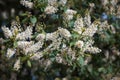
[24, 44]
[79, 44]
[17, 64]
[50, 10]
[69, 14]
[64, 46]
[64, 33]
[7, 32]
[25, 35]
[40, 37]
[26, 3]
[10, 53]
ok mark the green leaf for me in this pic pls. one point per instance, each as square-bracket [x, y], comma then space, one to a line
[101, 69]
[81, 61]
[33, 19]
[72, 43]
[28, 63]
[75, 35]
[15, 44]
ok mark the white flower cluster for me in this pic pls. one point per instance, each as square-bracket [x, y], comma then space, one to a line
[78, 25]
[79, 44]
[90, 31]
[17, 64]
[10, 53]
[105, 26]
[24, 44]
[93, 50]
[15, 31]
[26, 3]
[52, 36]
[85, 27]
[50, 10]
[87, 19]
[24, 35]
[7, 32]
[69, 14]
[64, 33]
[59, 40]
[52, 6]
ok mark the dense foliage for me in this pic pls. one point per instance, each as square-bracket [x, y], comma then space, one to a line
[62, 40]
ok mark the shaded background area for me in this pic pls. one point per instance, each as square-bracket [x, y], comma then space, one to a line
[8, 10]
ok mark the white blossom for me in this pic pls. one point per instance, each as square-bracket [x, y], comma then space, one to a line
[17, 64]
[14, 30]
[25, 35]
[52, 36]
[71, 53]
[27, 3]
[69, 14]
[36, 56]
[50, 10]
[64, 46]
[34, 48]
[90, 31]
[24, 44]
[79, 44]
[78, 25]
[55, 45]
[64, 33]
[93, 50]
[7, 32]
[10, 52]
[79, 22]
[87, 19]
